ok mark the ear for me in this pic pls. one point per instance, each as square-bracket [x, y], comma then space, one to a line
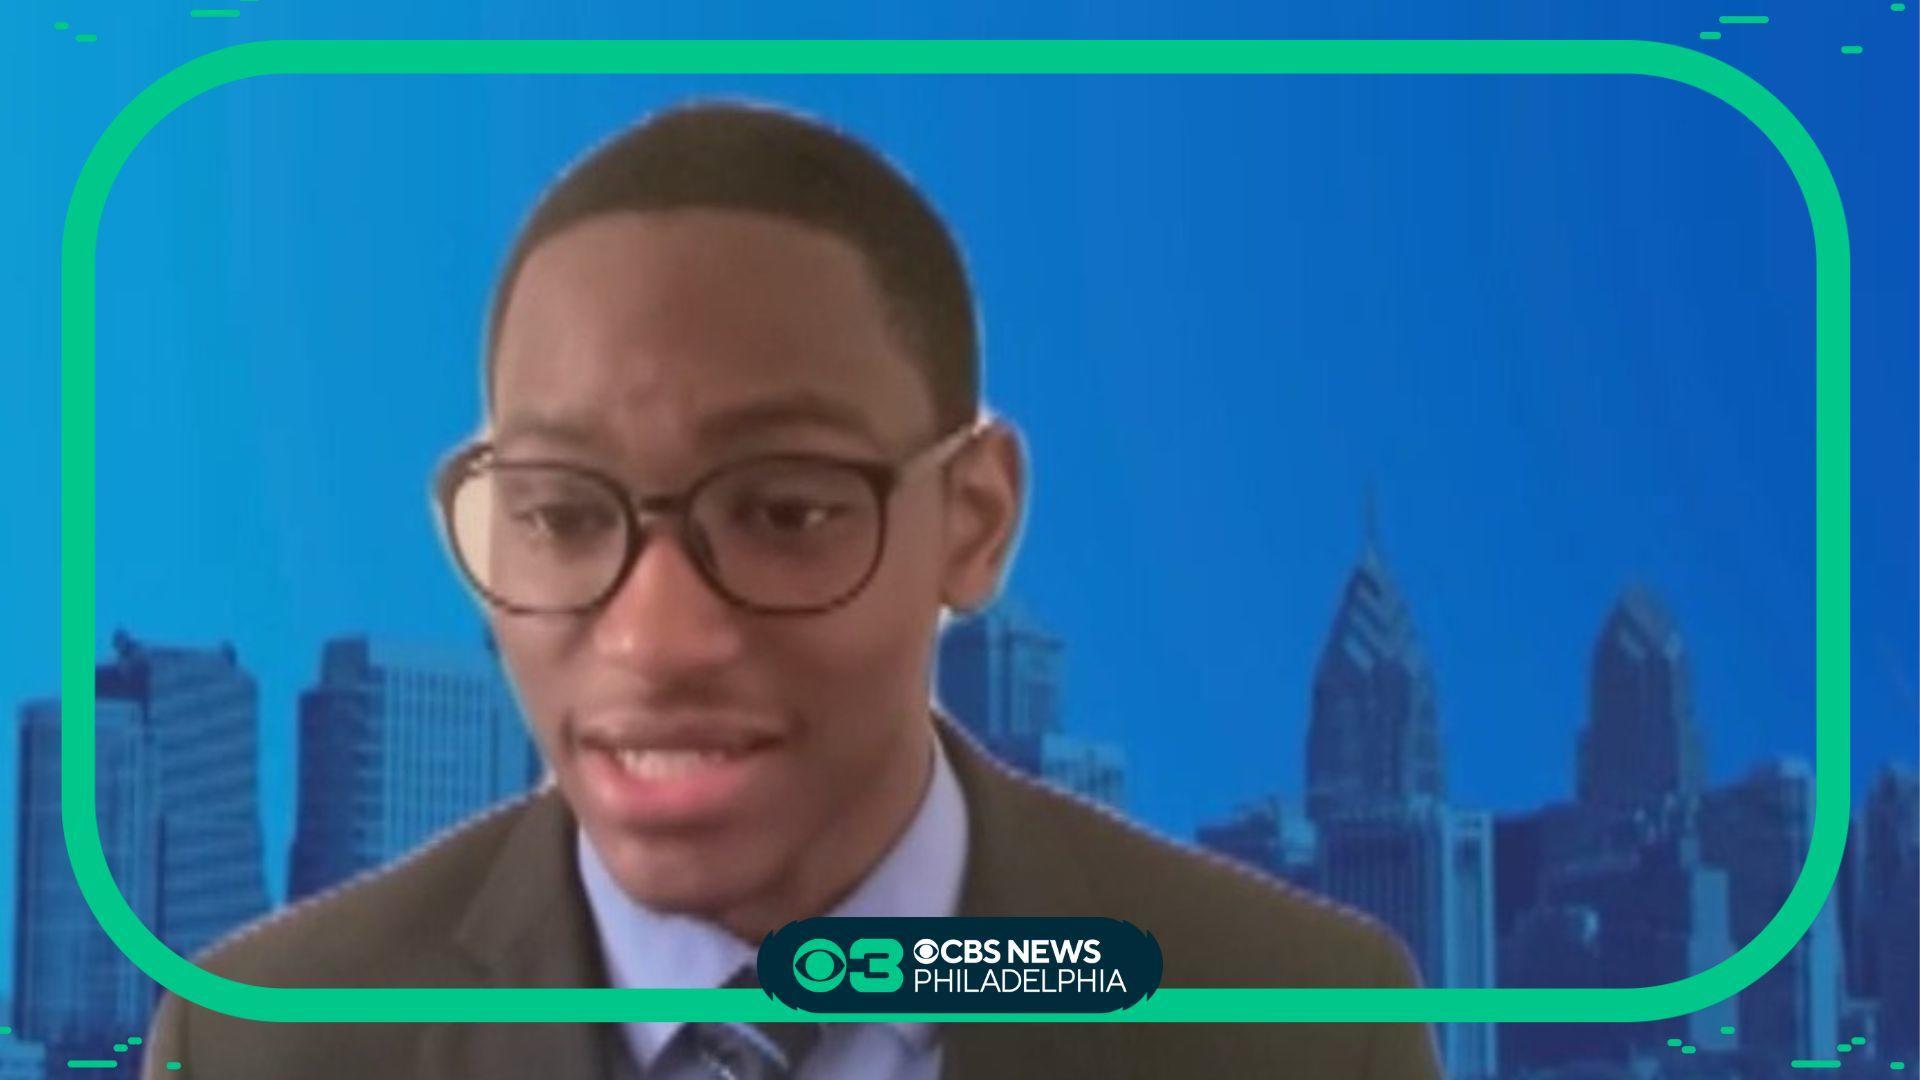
[986, 495]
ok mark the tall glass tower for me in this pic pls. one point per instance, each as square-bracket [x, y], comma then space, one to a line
[73, 990]
[398, 742]
[201, 710]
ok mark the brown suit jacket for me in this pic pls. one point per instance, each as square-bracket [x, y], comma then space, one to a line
[496, 902]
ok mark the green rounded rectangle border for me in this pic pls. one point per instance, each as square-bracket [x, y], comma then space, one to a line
[1832, 496]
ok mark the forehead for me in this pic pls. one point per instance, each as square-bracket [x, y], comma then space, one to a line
[660, 331]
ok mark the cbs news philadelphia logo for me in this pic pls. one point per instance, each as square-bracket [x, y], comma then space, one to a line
[960, 965]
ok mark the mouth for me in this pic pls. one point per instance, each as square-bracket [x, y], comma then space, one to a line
[676, 778]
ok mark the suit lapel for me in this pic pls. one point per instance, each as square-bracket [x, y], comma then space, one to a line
[528, 925]
[1019, 863]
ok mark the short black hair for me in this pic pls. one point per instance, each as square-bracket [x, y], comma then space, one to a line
[737, 155]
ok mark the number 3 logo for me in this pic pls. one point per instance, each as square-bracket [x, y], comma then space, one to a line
[881, 957]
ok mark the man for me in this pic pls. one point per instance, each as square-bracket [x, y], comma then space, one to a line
[733, 473]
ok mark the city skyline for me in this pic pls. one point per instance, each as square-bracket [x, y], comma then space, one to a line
[1081, 724]
[1372, 823]
[1004, 675]
[1644, 876]
[1229, 800]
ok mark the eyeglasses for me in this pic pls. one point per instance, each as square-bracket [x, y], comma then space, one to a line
[786, 534]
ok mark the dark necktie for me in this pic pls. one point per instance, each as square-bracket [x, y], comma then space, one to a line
[752, 1051]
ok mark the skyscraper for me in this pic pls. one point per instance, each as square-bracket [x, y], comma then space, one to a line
[1884, 933]
[73, 989]
[1640, 745]
[999, 673]
[201, 710]
[1388, 843]
[1758, 829]
[1529, 843]
[1373, 739]
[397, 743]
[1615, 884]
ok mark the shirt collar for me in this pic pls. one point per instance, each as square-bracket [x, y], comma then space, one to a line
[920, 875]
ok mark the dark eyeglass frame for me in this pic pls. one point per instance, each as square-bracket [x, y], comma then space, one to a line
[883, 477]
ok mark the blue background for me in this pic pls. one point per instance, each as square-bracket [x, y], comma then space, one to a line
[1561, 326]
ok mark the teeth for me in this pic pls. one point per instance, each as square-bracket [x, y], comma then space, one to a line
[667, 764]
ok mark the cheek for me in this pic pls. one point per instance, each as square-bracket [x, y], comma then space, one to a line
[533, 652]
[874, 650]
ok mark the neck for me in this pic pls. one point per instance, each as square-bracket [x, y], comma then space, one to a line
[848, 847]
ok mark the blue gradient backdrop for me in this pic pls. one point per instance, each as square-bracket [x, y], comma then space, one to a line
[1563, 327]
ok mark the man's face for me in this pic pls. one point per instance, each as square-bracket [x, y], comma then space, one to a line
[654, 347]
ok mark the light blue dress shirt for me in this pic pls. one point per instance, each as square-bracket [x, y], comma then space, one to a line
[919, 875]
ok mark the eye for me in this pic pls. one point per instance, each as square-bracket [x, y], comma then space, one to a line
[819, 965]
[564, 522]
[792, 514]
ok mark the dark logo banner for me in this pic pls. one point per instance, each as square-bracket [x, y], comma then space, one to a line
[1026, 964]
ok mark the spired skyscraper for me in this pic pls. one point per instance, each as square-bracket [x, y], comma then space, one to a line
[1376, 794]
[201, 710]
[999, 673]
[1373, 740]
[397, 743]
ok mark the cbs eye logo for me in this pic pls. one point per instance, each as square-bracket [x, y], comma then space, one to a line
[819, 965]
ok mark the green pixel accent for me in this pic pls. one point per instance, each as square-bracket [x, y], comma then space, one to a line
[1832, 525]
[1744, 20]
[214, 13]
[1815, 1063]
[1850, 50]
[88, 38]
[1709, 35]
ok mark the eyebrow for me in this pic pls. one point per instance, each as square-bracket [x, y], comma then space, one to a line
[802, 408]
[546, 427]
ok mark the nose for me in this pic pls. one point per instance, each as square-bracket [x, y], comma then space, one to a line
[665, 621]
